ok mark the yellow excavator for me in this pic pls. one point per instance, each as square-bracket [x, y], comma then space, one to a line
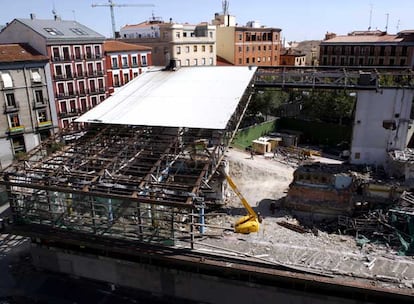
[251, 221]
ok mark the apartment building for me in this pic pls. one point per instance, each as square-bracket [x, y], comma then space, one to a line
[290, 57]
[183, 44]
[76, 60]
[252, 44]
[125, 61]
[26, 118]
[368, 48]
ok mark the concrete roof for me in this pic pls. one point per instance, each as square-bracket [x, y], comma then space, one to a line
[193, 97]
[61, 29]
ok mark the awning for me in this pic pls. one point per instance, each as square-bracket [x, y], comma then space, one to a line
[36, 76]
[7, 80]
[193, 97]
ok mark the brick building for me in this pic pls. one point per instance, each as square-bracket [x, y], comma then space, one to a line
[26, 118]
[76, 60]
[252, 44]
[368, 48]
[125, 61]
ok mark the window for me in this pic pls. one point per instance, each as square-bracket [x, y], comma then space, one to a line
[18, 144]
[203, 48]
[210, 34]
[97, 51]
[126, 77]
[203, 61]
[83, 104]
[240, 61]
[7, 80]
[247, 48]
[79, 70]
[100, 83]
[41, 116]
[88, 52]
[211, 49]
[187, 49]
[178, 35]
[185, 34]
[135, 74]
[90, 68]
[66, 54]
[240, 49]
[39, 96]
[124, 61]
[53, 32]
[79, 31]
[195, 48]
[99, 68]
[94, 101]
[187, 62]
[116, 80]
[10, 100]
[81, 86]
[63, 107]
[240, 36]
[114, 62]
[72, 106]
[56, 54]
[71, 90]
[247, 60]
[210, 60]
[78, 53]
[195, 61]
[134, 61]
[92, 86]
[178, 50]
[36, 76]
[144, 60]
[14, 120]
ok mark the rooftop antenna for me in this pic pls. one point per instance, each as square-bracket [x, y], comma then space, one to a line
[398, 25]
[370, 16]
[386, 25]
[225, 5]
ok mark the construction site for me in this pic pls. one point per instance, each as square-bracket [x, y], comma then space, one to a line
[147, 192]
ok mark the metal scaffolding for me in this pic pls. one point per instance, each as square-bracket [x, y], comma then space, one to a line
[135, 183]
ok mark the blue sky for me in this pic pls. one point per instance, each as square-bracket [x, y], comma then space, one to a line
[298, 19]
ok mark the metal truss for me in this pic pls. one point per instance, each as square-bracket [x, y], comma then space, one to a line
[135, 183]
[366, 78]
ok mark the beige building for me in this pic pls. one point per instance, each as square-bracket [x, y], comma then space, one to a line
[252, 44]
[26, 118]
[184, 44]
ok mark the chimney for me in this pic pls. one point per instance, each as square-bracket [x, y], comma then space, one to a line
[32, 16]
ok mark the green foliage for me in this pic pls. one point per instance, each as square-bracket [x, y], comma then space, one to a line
[54, 146]
[267, 101]
[317, 133]
[328, 106]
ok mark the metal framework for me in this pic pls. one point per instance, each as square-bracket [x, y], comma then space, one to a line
[135, 183]
[366, 78]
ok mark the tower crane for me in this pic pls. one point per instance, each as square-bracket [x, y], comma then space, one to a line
[111, 6]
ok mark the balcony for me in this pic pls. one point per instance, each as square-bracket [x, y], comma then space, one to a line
[62, 58]
[67, 95]
[70, 113]
[11, 108]
[40, 104]
[44, 125]
[17, 130]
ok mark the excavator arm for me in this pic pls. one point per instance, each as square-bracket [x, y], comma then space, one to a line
[250, 222]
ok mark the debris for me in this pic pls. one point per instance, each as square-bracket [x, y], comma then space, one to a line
[293, 227]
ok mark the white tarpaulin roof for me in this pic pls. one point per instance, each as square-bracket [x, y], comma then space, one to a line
[194, 97]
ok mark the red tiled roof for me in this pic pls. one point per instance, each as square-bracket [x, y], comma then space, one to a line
[19, 52]
[119, 46]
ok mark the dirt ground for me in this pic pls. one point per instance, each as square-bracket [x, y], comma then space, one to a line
[264, 180]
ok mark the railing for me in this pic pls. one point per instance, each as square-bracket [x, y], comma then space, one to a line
[44, 124]
[40, 104]
[16, 130]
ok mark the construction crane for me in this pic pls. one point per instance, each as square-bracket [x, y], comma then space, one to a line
[251, 221]
[111, 6]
